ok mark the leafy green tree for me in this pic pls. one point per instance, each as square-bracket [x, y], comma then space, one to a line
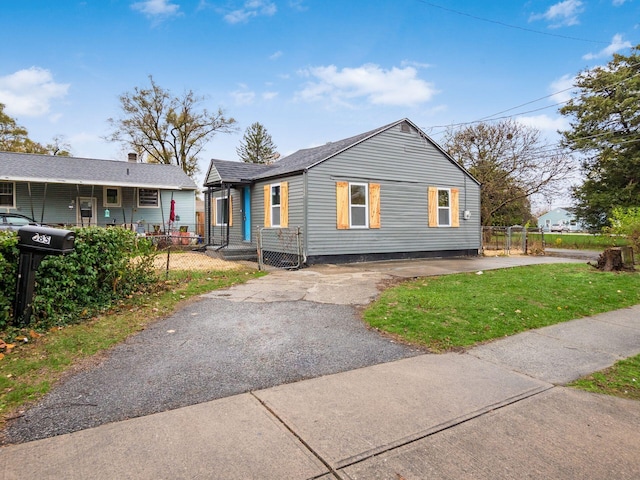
[605, 120]
[167, 129]
[257, 146]
[15, 138]
[508, 159]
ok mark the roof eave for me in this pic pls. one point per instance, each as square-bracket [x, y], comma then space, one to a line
[99, 183]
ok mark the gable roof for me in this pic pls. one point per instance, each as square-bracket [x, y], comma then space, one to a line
[26, 167]
[225, 171]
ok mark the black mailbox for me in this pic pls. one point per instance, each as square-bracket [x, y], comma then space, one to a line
[45, 239]
[34, 243]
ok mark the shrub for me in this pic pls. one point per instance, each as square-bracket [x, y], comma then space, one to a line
[8, 274]
[106, 265]
[626, 222]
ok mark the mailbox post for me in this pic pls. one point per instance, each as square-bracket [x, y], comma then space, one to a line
[34, 243]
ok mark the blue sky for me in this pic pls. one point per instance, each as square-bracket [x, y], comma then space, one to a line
[309, 71]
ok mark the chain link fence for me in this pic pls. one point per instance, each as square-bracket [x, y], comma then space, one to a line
[514, 240]
[280, 248]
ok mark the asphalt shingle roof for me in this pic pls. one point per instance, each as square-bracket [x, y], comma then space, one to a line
[232, 172]
[90, 171]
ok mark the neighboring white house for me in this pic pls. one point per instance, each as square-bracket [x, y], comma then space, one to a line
[560, 219]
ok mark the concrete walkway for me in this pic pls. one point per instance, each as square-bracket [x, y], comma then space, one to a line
[496, 411]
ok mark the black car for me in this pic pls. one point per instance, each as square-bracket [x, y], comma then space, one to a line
[13, 221]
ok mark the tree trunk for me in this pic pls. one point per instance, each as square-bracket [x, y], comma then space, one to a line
[611, 261]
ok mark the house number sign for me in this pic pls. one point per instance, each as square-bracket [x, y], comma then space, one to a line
[42, 238]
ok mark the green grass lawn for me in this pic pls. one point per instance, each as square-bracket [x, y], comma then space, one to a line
[452, 311]
[579, 241]
[621, 380]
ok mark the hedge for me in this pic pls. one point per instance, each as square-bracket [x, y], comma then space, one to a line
[107, 265]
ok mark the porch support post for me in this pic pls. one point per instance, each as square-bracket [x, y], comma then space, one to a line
[44, 198]
[228, 210]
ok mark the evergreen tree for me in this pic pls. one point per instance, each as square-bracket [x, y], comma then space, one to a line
[605, 130]
[257, 146]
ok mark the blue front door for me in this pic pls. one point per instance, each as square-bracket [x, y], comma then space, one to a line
[246, 214]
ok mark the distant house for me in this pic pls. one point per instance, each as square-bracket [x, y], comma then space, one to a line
[86, 191]
[563, 217]
[388, 193]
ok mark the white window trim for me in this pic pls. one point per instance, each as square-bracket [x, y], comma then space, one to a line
[365, 206]
[448, 207]
[13, 191]
[279, 205]
[219, 210]
[148, 206]
[105, 202]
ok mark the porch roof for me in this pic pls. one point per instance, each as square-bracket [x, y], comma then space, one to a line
[25, 167]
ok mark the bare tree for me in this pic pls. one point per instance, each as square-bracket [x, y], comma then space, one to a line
[167, 129]
[510, 161]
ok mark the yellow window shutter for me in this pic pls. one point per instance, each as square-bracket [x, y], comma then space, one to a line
[284, 204]
[231, 210]
[374, 205]
[342, 205]
[433, 206]
[267, 205]
[455, 202]
[213, 212]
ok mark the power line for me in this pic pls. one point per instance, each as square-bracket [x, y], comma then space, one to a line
[493, 116]
[508, 25]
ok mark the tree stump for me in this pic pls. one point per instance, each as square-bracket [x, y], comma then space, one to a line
[611, 260]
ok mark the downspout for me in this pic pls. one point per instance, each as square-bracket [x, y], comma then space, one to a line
[305, 206]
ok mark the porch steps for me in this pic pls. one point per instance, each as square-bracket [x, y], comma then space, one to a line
[234, 253]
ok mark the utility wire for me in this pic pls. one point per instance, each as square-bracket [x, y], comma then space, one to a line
[508, 25]
[493, 116]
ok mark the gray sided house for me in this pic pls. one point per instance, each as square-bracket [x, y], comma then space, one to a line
[388, 193]
[85, 191]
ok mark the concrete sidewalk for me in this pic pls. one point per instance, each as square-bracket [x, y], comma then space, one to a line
[493, 412]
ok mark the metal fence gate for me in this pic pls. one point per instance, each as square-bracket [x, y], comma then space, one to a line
[280, 247]
[512, 240]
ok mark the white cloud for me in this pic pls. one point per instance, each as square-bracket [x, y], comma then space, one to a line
[275, 55]
[269, 95]
[562, 88]
[29, 92]
[561, 14]
[251, 9]
[394, 87]
[298, 5]
[243, 97]
[617, 3]
[545, 123]
[411, 63]
[156, 8]
[615, 46]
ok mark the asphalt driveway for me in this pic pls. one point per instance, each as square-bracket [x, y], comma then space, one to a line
[214, 348]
